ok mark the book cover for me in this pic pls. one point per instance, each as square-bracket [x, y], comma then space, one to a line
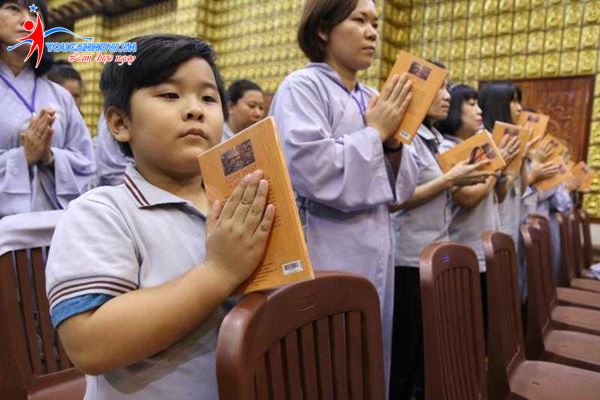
[502, 129]
[476, 148]
[286, 257]
[537, 122]
[584, 174]
[557, 179]
[427, 78]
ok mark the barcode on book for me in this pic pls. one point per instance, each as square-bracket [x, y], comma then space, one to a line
[292, 267]
[405, 134]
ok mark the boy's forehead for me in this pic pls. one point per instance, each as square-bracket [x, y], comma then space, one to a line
[195, 70]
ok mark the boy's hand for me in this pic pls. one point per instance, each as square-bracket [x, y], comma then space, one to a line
[237, 233]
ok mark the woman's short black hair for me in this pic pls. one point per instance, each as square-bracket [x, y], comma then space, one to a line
[237, 89]
[63, 71]
[47, 60]
[157, 58]
[494, 100]
[458, 95]
[321, 16]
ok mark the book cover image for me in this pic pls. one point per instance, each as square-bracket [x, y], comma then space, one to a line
[537, 122]
[563, 175]
[584, 174]
[286, 258]
[427, 79]
[476, 148]
[502, 129]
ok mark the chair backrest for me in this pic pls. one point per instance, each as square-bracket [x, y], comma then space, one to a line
[505, 333]
[31, 355]
[567, 266]
[587, 239]
[545, 260]
[452, 323]
[314, 339]
[538, 310]
[576, 242]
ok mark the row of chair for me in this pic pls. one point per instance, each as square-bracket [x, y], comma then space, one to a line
[321, 339]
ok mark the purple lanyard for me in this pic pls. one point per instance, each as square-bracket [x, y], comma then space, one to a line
[362, 108]
[30, 106]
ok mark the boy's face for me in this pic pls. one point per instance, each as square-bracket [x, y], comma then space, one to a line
[171, 123]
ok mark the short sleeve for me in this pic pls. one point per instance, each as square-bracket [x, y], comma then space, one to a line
[92, 252]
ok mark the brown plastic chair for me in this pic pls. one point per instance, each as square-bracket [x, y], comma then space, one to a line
[568, 272]
[33, 363]
[452, 323]
[565, 295]
[454, 349]
[317, 339]
[537, 255]
[576, 349]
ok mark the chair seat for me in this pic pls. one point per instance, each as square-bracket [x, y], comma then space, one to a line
[68, 389]
[576, 319]
[576, 349]
[579, 298]
[586, 284]
[548, 381]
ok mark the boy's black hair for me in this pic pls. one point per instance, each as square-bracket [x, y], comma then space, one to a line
[47, 60]
[458, 95]
[157, 58]
[63, 71]
[494, 100]
[237, 89]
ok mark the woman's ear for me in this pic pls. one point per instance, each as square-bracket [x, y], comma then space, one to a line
[324, 36]
[118, 124]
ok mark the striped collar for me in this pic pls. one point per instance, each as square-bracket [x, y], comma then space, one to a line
[146, 194]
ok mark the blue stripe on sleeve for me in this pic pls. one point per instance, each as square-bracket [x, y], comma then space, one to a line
[76, 305]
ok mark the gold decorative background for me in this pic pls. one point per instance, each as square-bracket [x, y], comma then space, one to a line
[477, 40]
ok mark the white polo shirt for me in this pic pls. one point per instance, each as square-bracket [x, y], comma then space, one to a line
[117, 239]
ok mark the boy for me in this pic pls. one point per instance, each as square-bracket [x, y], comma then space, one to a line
[133, 290]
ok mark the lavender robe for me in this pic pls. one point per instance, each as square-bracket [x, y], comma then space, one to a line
[37, 188]
[341, 179]
[109, 157]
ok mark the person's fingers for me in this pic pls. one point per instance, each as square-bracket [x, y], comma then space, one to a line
[233, 200]
[387, 90]
[247, 199]
[372, 101]
[257, 208]
[401, 90]
[213, 215]
[264, 228]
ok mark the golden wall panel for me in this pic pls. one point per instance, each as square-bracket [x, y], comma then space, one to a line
[552, 41]
[587, 62]
[592, 12]
[570, 39]
[573, 12]
[521, 22]
[551, 64]
[590, 36]
[568, 63]
[517, 66]
[461, 9]
[474, 27]
[534, 65]
[475, 8]
[554, 17]
[519, 43]
[535, 42]
[459, 28]
[537, 19]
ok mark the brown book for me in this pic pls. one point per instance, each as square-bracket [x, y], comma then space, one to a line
[563, 176]
[286, 257]
[537, 122]
[476, 148]
[502, 129]
[584, 174]
[427, 79]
